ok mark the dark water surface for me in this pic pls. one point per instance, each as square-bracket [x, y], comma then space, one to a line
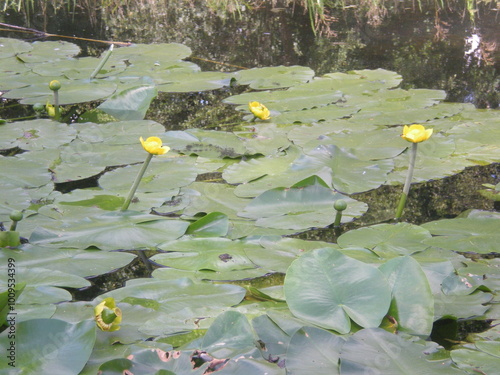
[431, 49]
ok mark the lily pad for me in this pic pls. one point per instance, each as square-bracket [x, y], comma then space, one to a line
[51, 346]
[412, 301]
[327, 288]
[388, 240]
[49, 51]
[82, 263]
[130, 104]
[299, 208]
[36, 134]
[216, 254]
[314, 351]
[274, 77]
[10, 47]
[374, 349]
[477, 235]
[111, 231]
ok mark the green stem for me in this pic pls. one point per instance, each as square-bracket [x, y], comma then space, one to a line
[102, 62]
[338, 218]
[136, 182]
[13, 226]
[409, 176]
[56, 105]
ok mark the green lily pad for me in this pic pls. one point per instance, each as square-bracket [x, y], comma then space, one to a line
[299, 208]
[82, 263]
[230, 334]
[478, 235]
[72, 91]
[130, 104]
[348, 173]
[327, 288]
[216, 254]
[10, 47]
[377, 350]
[477, 360]
[388, 240]
[111, 231]
[193, 81]
[76, 68]
[36, 134]
[252, 169]
[49, 51]
[33, 173]
[314, 351]
[274, 77]
[164, 173]
[215, 224]
[51, 346]
[161, 53]
[181, 301]
[412, 300]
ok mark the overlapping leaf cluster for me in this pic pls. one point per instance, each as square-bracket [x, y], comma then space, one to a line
[237, 295]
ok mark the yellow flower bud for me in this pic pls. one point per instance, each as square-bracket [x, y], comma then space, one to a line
[416, 133]
[107, 316]
[259, 110]
[54, 85]
[51, 111]
[153, 145]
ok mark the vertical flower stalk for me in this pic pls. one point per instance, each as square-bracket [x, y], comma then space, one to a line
[414, 134]
[339, 205]
[55, 86]
[153, 145]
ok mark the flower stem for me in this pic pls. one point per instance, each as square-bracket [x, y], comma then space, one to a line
[56, 105]
[409, 176]
[103, 61]
[131, 193]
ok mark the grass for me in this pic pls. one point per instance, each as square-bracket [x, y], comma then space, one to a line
[318, 10]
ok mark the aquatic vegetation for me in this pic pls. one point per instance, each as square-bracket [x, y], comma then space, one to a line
[234, 290]
[415, 134]
[107, 316]
[259, 110]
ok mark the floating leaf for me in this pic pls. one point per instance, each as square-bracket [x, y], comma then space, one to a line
[299, 208]
[412, 301]
[49, 51]
[230, 334]
[387, 240]
[329, 289]
[374, 349]
[36, 134]
[215, 224]
[10, 47]
[216, 254]
[50, 346]
[313, 351]
[274, 77]
[478, 235]
[130, 104]
[82, 263]
[111, 231]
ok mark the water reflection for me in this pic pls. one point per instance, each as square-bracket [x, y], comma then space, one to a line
[429, 51]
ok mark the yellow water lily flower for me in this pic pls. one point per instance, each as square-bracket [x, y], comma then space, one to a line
[259, 110]
[107, 316]
[153, 145]
[51, 111]
[416, 133]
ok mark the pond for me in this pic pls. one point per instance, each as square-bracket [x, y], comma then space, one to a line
[229, 243]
